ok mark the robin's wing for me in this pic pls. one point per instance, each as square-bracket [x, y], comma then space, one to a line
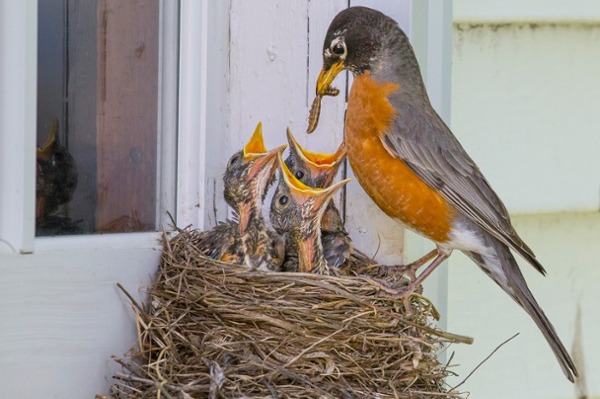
[429, 148]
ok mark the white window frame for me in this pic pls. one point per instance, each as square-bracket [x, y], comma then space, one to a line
[203, 110]
[18, 80]
[187, 77]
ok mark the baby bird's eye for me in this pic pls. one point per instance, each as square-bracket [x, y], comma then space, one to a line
[283, 200]
[299, 174]
[234, 159]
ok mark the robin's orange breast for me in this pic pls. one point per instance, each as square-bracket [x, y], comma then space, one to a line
[387, 179]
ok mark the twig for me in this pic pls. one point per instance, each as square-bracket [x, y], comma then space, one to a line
[485, 360]
[131, 299]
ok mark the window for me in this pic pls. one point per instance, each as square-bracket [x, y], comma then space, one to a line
[98, 114]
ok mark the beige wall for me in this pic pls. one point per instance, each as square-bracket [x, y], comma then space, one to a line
[568, 246]
[526, 106]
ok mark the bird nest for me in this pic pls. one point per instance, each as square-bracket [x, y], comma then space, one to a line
[213, 330]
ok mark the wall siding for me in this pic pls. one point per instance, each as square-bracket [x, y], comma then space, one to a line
[525, 106]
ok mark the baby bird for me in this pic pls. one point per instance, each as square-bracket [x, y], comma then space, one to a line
[298, 210]
[318, 170]
[56, 175]
[247, 240]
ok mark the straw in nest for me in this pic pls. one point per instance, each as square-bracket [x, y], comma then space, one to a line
[213, 330]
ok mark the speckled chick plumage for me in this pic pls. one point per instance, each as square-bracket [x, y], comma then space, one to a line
[318, 170]
[247, 239]
[298, 209]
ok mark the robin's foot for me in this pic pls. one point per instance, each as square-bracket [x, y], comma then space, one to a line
[399, 272]
[415, 285]
[404, 293]
[411, 268]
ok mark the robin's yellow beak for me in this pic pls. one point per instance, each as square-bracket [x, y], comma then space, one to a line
[324, 88]
[256, 145]
[326, 77]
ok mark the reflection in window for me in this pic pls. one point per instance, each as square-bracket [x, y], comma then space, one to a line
[97, 116]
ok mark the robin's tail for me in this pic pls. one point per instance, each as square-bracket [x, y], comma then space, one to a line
[513, 282]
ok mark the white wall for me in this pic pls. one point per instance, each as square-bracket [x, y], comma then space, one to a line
[62, 318]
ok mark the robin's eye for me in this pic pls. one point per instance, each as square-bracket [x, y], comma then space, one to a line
[283, 200]
[338, 48]
[299, 174]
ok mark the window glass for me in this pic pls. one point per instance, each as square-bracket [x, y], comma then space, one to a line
[98, 66]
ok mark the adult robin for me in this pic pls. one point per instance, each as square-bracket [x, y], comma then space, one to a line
[318, 170]
[298, 209]
[411, 165]
[247, 240]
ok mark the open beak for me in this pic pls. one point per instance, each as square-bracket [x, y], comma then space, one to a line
[317, 159]
[302, 192]
[323, 166]
[265, 161]
[256, 151]
[326, 77]
[256, 145]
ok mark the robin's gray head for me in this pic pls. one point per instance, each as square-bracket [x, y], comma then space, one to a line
[360, 39]
[249, 173]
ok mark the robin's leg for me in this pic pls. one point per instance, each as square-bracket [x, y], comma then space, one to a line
[441, 256]
[409, 289]
[410, 270]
